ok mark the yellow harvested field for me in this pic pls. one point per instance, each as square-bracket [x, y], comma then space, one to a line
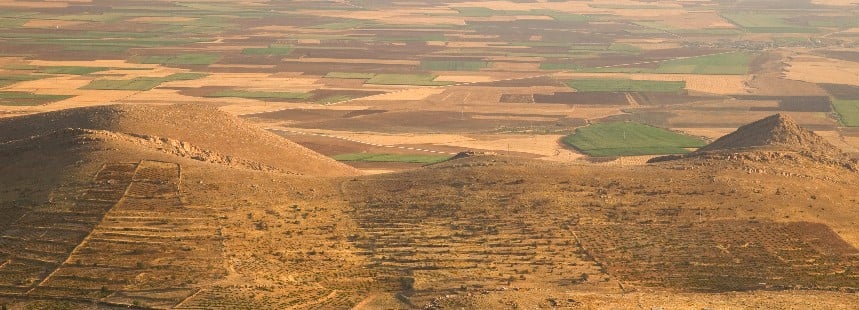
[516, 58]
[161, 95]
[406, 94]
[482, 44]
[626, 161]
[543, 146]
[163, 19]
[427, 16]
[465, 78]
[361, 61]
[250, 81]
[58, 84]
[243, 66]
[711, 84]
[472, 36]
[91, 63]
[516, 66]
[33, 4]
[710, 133]
[51, 23]
[516, 118]
[697, 20]
[816, 69]
[510, 18]
[836, 139]
[661, 14]
[835, 2]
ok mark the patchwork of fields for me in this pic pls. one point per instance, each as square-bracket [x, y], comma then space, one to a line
[509, 68]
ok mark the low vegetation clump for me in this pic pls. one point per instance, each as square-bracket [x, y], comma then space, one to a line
[402, 158]
[610, 85]
[629, 139]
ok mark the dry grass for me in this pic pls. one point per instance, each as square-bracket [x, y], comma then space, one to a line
[406, 94]
[465, 78]
[361, 61]
[698, 20]
[711, 84]
[164, 19]
[817, 69]
[51, 23]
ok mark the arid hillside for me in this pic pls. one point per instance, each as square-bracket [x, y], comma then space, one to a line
[185, 207]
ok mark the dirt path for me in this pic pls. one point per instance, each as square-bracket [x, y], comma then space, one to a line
[315, 302]
[634, 103]
[366, 301]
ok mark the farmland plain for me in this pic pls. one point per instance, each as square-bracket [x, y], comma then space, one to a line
[468, 67]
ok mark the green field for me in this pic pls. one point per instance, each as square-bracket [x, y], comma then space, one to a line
[848, 110]
[559, 66]
[6, 80]
[260, 94]
[141, 83]
[453, 65]
[400, 158]
[730, 63]
[187, 76]
[75, 70]
[629, 139]
[132, 84]
[11, 98]
[182, 59]
[20, 67]
[608, 85]
[333, 99]
[350, 75]
[271, 50]
[406, 79]
[348, 24]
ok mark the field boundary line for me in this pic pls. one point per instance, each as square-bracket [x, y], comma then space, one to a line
[358, 141]
[501, 80]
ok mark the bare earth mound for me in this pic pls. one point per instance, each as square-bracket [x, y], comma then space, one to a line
[205, 128]
[776, 131]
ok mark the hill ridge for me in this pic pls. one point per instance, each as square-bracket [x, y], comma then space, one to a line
[183, 129]
[775, 131]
